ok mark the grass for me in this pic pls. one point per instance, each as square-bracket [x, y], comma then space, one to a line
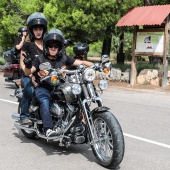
[139, 66]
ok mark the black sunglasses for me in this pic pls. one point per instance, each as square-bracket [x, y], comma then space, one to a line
[53, 46]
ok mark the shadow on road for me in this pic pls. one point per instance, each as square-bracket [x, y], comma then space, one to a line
[53, 148]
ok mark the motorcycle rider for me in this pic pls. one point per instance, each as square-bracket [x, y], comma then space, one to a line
[37, 27]
[53, 44]
[19, 41]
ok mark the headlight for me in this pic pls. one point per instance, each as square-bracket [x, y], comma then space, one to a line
[76, 89]
[89, 74]
[103, 84]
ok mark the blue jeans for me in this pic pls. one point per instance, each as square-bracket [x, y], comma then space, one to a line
[43, 96]
[27, 96]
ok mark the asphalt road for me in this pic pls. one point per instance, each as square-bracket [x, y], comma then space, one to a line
[144, 117]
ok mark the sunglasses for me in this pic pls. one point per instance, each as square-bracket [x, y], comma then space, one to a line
[53, 46]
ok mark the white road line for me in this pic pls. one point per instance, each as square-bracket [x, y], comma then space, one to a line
[8, 101]
[147, 140]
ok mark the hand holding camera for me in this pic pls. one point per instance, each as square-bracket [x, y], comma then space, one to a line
[27, 60]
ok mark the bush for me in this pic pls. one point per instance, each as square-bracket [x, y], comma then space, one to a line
[2, 61]
[123, 67]
[140, 66]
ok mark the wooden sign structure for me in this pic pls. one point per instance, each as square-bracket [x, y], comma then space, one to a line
[153, 39]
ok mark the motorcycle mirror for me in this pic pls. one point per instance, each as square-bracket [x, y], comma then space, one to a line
[67, 42]
[104, 58]
[45, 66]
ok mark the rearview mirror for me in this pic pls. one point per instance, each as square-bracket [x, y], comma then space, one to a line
[105, 58]
[45, 66]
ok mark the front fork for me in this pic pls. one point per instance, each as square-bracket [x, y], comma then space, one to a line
[89, 118]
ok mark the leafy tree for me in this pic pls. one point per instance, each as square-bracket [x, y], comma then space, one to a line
[87, 21]
[14, 14]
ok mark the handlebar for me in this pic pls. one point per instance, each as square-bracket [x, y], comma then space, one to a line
[68, 71]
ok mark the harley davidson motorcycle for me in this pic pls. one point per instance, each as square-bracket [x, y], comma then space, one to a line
[74, 95]
[11, 68]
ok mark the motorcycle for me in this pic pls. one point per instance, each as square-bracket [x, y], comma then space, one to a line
[75, 122]
[11, 68]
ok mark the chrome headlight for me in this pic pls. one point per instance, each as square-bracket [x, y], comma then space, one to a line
[76, 89]
[89, 74]
[103, 84]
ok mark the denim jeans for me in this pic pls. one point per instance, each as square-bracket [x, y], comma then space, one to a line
[27, 96]
[43, 96]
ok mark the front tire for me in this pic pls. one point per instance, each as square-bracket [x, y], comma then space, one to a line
[109, 145]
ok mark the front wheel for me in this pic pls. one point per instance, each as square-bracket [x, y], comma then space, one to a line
[108, 146]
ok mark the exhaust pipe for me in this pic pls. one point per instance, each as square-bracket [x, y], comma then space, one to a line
[25, 127]
[16, 116]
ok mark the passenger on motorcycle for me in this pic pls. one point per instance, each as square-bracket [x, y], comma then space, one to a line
[53, 44]
[37, 26]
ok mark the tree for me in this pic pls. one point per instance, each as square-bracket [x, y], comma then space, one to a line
[14, 14]
[148, 2]
[87, 21]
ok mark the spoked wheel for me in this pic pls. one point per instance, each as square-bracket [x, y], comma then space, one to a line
[108, 146]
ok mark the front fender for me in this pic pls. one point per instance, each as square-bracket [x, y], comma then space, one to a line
[99, 109]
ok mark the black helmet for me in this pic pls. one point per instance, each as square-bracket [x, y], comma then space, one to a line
[54, 36]
[81, 49]
[21, 30]
[36, 19]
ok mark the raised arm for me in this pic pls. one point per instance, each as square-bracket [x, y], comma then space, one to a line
[26, 64]
[19, 46]
[86, 63]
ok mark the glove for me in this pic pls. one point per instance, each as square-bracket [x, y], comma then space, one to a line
[27, 61]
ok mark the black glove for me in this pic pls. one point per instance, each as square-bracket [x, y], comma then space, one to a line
[27, 61]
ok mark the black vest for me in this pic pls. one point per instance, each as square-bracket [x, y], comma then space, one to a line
[58, 63]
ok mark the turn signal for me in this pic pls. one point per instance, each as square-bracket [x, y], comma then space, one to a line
[106, 70]
[19, 83]
[43, 73]
[63, 74]
[54, 79]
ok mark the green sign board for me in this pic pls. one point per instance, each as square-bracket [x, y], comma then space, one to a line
[150, 42]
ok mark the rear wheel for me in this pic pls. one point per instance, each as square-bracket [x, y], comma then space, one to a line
[28, 133]
[109, 144]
